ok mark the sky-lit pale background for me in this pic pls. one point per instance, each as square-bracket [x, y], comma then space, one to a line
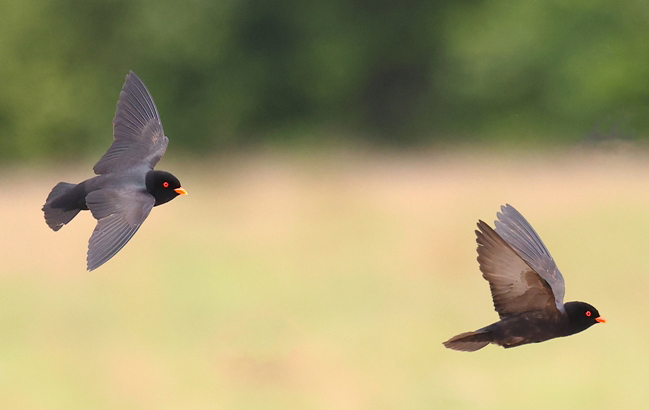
[337, 157]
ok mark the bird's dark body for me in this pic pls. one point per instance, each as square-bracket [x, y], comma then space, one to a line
[526, 286]
[74, 198]
[528, 327]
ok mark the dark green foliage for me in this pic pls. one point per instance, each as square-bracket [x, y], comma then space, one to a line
[231, 73]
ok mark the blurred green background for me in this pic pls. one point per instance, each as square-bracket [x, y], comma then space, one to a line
[228, 74]
[337, 157]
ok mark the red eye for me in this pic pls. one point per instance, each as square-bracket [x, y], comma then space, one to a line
[588, 313]
[166, 185]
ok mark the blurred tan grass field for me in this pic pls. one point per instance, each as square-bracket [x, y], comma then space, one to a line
[328, 281]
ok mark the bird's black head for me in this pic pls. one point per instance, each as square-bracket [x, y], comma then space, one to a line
[581, 316]
[163, 186]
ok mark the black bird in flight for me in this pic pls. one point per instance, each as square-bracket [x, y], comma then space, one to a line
[526, 286]
[127, 187]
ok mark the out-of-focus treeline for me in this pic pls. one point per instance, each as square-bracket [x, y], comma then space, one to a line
[234, 72]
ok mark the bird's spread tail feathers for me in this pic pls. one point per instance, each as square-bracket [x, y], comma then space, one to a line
[56, 217]
[470, 341]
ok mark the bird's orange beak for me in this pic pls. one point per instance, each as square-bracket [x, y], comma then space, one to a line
[600, 320]
[180, 191]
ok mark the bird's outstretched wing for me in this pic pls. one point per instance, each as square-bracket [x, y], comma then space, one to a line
[515, 286]
[137, 130]
[119, 212]
[519, 234]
